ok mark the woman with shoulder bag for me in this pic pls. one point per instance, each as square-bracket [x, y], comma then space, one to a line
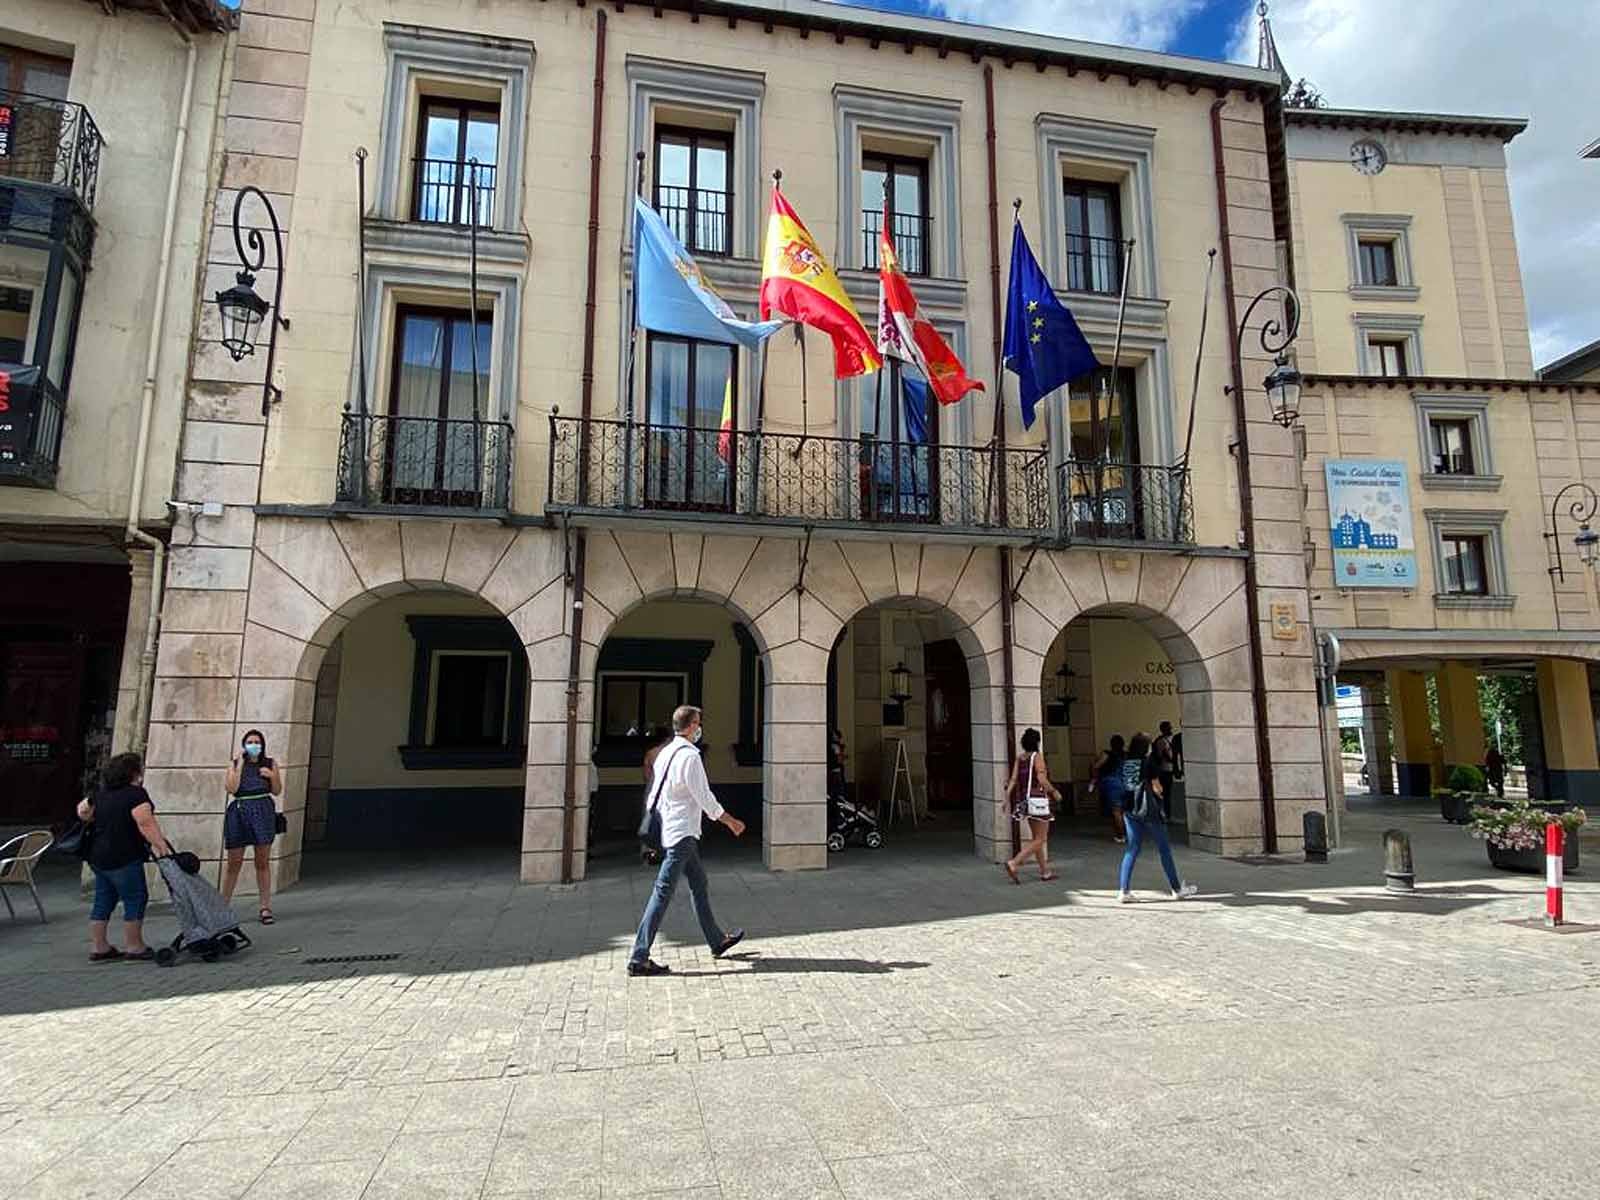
[1143, 817]
[1030, 794]
[252, 818]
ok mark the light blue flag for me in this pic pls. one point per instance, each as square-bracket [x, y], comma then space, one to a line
[674, 297]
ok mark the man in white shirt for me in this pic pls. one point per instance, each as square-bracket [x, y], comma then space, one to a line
[683, 796]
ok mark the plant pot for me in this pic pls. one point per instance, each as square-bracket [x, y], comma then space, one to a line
[1532, 861]
[1456, 807]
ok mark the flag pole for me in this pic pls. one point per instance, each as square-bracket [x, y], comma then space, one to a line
[997, 461]
[1199, 349]
[805, 389]
[761, 392]
[1108, 385]
[633, 349]
[472, 321]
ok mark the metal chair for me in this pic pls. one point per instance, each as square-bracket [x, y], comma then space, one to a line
[16, 867]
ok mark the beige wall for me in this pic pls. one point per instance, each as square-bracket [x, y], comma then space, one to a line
[128, 71]
[345, 89]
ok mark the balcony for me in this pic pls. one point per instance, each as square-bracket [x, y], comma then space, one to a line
[51, 143]
[443, 192]
[1105, 501]
[32, 413]
[908, 231]
[604, 467]
[698, 217]
[424, 464]
[1094, 264]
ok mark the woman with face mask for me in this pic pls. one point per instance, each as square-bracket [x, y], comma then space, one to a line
[252, 817]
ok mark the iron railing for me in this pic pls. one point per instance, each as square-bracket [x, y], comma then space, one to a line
[33, 413]
[442, 192]
[424, 462]
[908, 231]
[608, 465]
[698, 217]
[50, 142]
[1094, 264]
[1122, 501]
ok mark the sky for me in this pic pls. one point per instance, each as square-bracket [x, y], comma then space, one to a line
[1518, 58]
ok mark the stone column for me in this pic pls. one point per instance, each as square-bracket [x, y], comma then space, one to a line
[1460, 718]
[1567, 721]
[1413, 733]
[319, 776]
[1378, 736]
[123, 735]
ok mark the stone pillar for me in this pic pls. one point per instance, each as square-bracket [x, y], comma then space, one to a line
[1377, 737]
[1567, 724]
[1460, 717]
[319, 776]
[1413, 733]
[123, 735]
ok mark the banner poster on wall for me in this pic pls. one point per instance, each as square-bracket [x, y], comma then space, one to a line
[1369, 508]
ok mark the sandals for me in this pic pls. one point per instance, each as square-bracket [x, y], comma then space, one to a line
[110, 955]
[145, 955]
[1012, 871]
[1048, 878]
[266, 916]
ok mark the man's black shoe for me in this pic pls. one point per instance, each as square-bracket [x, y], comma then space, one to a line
[648, 967]
[728, 943]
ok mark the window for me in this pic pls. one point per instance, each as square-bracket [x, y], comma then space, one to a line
[1452, 446]
[900, 472]
[894, 188]
[633, 705]
[691, 435]
[1377, 259]
[16, 322]
[1388, 356]
[469, 687]
[694, 187]
[1101, 479]
[434, 451]
[451, 134]
[1466, 571]
[1094, 236]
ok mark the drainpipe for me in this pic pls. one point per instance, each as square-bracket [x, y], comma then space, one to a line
[147, 396]
[1252, 601]
[569, 799]
[1008, 689]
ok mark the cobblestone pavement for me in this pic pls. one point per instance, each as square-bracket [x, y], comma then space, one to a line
[906, 1024]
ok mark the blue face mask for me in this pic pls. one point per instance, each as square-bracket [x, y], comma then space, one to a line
[252, 750]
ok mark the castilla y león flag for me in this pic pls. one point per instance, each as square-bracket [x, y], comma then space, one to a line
[904, 333]
[798, 283]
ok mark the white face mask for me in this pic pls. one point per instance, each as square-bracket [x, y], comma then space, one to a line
[698, 734]
[252, 749]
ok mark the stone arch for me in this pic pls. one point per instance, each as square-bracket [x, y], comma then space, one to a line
[311, 576]
[1194, 607]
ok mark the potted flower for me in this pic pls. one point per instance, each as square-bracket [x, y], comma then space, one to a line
[1514, 831]
[1466, 786]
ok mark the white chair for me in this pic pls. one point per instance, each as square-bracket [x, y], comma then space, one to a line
[16, 867]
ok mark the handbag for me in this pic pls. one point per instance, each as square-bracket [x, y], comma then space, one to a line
[77, 839]
[1147, 807]
[1038, 806]
[650, 824]
[280, 823]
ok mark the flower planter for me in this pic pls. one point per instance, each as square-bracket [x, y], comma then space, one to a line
[1532, 861]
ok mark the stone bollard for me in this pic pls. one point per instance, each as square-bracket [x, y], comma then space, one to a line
[1315, 825]
[1398, 874]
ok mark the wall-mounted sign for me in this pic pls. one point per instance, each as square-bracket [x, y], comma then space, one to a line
[1369, 509]
[1285, 628]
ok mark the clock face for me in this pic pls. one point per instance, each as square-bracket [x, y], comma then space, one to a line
[1368, 157]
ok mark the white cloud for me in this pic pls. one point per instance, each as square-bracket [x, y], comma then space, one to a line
[1152, 24]
[1530, 58]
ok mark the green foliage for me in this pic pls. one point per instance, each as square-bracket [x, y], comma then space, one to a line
[1349, 741]
[1303, 94]
[1519, 824]
[1466, 779]
[1503, 696]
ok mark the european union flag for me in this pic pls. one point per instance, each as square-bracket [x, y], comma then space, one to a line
[1043, 346]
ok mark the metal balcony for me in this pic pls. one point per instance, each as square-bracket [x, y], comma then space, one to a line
[424, 463]
[609, 467]
[1103, 501]
[32, 415]
[50, 142]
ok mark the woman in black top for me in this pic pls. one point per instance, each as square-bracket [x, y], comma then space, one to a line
[123, 830]
[251, 818]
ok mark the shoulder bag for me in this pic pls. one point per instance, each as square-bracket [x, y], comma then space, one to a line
[1147, 806]
[650, 824]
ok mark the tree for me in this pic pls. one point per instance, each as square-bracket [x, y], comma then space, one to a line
[1304, 94]
[1501, 697]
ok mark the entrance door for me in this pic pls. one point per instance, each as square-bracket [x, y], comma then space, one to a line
[40, 749]
[949, 726]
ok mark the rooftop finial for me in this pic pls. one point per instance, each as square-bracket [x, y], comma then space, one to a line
[1267, 57]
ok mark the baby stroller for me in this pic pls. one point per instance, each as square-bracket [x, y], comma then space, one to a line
[208, 925]
[848, 822]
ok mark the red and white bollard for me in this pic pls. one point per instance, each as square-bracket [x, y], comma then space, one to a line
[1555, 853]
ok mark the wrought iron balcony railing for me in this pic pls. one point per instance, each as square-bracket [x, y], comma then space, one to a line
[909, 232]
[1120, 501]
[609, 466]
[443, 194]
[424, 462]
[698, 217]
[50, 142]
[33, 413]
[1094, 264]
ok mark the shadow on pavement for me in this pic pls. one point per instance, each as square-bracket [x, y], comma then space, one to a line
[760, 964]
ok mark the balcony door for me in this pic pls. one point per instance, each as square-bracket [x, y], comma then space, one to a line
[1094, 237]
[450, 135]
[33, 88]
[1102, 473]
[694, 188]
[689, 462]
[895, 189]
[900, 439]
[434, 443]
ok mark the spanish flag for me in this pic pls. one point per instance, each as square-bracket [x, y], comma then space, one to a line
[725, 432]
[798, 283]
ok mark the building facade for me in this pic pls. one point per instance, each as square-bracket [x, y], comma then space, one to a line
[107, 123]
[457, 575]
[1424, 420]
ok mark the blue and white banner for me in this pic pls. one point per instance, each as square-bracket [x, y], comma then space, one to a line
[1369, 509]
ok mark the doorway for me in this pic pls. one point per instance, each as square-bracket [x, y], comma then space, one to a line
[949, 726]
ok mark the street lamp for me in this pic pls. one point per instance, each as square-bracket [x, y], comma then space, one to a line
[242, 310]
[1282, 383]
[1060, 709]
[1586, 540]
[900, 683]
